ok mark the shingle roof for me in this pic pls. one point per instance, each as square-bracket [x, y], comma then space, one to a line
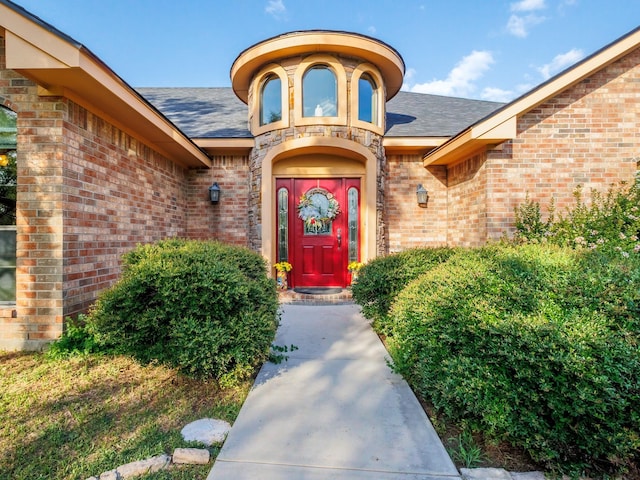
[421, 115]
[218, 113]
[201, 112]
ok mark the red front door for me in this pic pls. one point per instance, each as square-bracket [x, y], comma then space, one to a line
[318, 230]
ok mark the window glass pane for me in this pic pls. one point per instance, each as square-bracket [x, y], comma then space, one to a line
[324, 228]
[8, 182]
[7, 264]
[8, 172]
[271, 101]
[317, 209]
[367, 99]
[283, 225]
[352, 199]
[319, 93]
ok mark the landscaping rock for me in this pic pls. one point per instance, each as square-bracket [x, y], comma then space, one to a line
[485, 474]
[110, 475]
[498, 474]
[527, 476]
[141, 467]
[207, 431]
[198, 456]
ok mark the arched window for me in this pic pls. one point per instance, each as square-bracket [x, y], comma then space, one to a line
[319, 92]
[367, 99]
[8, 187]
[283, 225]
[271, 100]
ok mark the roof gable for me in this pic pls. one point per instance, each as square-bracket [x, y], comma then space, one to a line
[500, 125]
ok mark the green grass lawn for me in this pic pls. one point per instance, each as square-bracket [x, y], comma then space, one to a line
[73, 418]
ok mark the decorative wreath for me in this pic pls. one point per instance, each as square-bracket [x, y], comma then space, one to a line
[317, 207]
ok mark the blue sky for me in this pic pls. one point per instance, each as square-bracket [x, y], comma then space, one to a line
[484, 49]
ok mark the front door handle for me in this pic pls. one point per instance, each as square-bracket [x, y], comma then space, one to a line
[339, 237]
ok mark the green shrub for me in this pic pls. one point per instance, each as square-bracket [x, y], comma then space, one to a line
[609, 222]
[380, 280]
[507, 340]
[78, 339]
[206, 308]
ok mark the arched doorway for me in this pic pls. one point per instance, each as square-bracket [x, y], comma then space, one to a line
[339, 167]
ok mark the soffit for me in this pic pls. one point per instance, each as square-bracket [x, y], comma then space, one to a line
[387, 59]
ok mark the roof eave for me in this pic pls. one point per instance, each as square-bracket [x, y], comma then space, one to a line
[62, 67]
[501, 124]
[225, 146]
[411, 145]
[386, 58]
[470, 141]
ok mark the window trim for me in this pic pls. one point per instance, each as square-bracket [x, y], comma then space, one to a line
[341, 80]
[12, 227]
[272, 77]
[358, 72]
[256, 99]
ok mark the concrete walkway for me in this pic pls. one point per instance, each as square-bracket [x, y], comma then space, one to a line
[333, 410]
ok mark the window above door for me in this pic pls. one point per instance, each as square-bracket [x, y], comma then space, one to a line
[321, 90]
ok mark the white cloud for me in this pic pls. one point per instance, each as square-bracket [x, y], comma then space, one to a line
[276, 8]
[372, 30]
[460, 81]
[497, 94]
[528, 5]
[519, 25]
[500, 95]
[409, 74]
[560, 62]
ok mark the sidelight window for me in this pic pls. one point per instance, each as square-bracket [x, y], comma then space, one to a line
[283, 225]
[352, 200]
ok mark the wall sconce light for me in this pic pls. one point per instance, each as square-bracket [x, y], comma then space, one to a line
[422, 195]
[214, 193]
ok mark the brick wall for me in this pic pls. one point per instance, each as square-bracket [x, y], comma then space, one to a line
[586, 136]
[467, 202]
[227, 221]
[38, 312]
[87, 193]
[117, 193]
[407, 224]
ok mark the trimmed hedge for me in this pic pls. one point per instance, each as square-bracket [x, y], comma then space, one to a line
[538, 346]
[207, 308]
[380, 280]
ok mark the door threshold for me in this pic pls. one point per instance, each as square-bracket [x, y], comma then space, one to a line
[318, 290]
[298, 295]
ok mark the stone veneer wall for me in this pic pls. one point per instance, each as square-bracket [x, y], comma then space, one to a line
[271, 139]
[266, 141]
[87, 193]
